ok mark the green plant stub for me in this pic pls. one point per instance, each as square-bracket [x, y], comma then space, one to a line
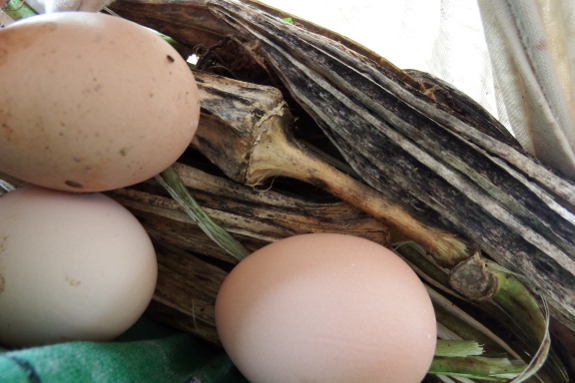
[18, 9]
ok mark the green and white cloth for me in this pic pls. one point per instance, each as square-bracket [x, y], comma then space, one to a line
[147, 352]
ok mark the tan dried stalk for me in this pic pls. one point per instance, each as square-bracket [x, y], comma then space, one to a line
[248, 134]
[254, 218]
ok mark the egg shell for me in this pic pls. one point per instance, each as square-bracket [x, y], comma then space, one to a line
[91, 102]
[326, 308]
[72, 267]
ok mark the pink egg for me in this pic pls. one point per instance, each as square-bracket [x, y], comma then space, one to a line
[326, 308]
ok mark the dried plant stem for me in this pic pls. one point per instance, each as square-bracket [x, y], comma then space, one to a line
[279, 154]
[470, 177]
[254, 218]
[264, 147]
[503, 295]
[170, 180]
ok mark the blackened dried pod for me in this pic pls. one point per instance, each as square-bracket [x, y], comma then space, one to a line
[424, 158]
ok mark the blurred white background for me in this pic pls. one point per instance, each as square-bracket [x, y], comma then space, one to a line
[441, 37]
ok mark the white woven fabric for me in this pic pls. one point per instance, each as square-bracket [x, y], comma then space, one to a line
[532, 47]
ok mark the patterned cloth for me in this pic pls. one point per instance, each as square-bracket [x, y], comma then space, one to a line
[148, 352]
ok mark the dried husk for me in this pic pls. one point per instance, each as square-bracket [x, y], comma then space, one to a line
[468, 179]
[442, 168]
[255, 218]
[248, 134]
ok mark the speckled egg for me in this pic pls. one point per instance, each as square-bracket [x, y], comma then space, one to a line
[91, 102]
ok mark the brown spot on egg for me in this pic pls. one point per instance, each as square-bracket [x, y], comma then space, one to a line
[3, 55]
[74, 184]
[170, 58]
[72, 282]
[7, 130]
[12, 39]
[3, 241]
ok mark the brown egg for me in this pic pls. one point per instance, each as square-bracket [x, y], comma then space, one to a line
[91, 102]
[326, 308]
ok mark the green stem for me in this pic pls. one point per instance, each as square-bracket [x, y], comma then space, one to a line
[18, 9]
[514, 297]
[459, 348]
[172, 182]
[474, 367]
[507, 294]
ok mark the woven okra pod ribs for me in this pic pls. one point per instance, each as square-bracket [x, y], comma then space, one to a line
[303, 130]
